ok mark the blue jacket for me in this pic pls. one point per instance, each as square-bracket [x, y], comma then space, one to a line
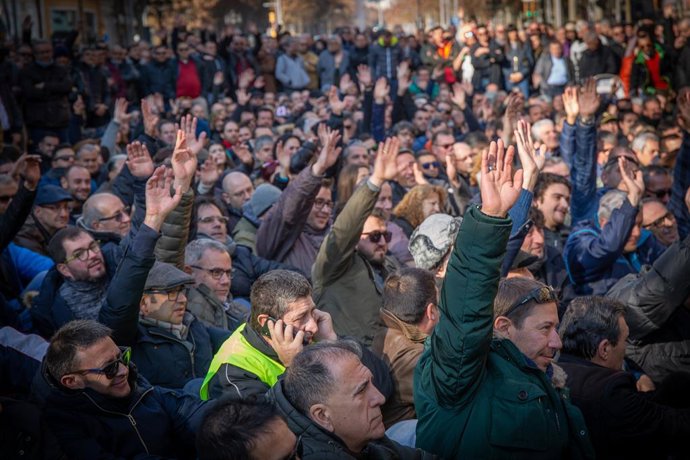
[594, 257]
[151, 423]
[578, 147]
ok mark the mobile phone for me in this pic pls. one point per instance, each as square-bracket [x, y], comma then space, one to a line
[267, 333]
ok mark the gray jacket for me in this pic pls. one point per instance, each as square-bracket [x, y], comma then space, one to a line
[290, 72]
[327, 70]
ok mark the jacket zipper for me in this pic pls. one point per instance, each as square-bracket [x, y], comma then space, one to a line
[129, 416]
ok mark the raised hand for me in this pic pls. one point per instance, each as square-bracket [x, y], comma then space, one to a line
[364, 76]
[150, 117]
[329, 150]
[452, 171]
[532, 159]
[245, 78]
[28, 167]
[459, 96]
[120, 112]
[244, 154]
[589, 99]
[188, 125]
[242, 97]
[571, 104]
[418, 175]
[403, 70]
[139, 161]
[500, 185]
[385, 167]
[337, 106]
[159, 202]
[634, 184]
[183, 162]
[381, 90]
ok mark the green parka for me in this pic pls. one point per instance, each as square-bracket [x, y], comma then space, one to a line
[479, 397]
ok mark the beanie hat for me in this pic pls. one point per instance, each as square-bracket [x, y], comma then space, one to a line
[431, 241]
[265, 196]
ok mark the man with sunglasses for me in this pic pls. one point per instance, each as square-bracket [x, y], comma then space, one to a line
[97, 406]
[486, 386]
[352, 263]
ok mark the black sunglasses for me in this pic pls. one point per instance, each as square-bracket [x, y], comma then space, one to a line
[431, 164]
[110, 369]
[539, 295]
[375, 237]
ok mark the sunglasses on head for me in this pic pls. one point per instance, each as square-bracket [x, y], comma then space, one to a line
[539, 295]
[375, 237]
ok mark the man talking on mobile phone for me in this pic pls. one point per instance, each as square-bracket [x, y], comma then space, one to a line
[283, 320]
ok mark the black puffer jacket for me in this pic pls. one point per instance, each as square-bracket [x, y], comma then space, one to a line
[659, 324]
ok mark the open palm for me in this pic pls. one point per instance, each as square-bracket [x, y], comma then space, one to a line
[500, 186]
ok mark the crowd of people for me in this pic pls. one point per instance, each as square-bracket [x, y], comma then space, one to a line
[468, 242]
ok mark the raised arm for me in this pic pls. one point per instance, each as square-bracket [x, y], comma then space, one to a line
[583, 204]
[335, 254]
[681, 172]
[459, 346]
[120, 310]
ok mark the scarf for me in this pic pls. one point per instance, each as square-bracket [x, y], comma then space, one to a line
[84, 298]
[178, 330]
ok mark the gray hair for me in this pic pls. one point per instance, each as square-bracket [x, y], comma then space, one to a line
[587, 321]
[612, 200]
[641, 140]
[195, 250]
[89, 212]
[309, 379]
[273, 291]
[87, 148]
[260, 141]
[537, 127]
[352, 145]
[112, 161]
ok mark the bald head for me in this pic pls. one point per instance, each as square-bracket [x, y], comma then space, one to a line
[237, 189]
[105, 212]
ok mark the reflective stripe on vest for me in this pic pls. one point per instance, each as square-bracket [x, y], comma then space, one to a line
[238, 352]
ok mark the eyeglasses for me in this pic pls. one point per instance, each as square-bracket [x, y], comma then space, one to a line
[63, 206]
[172, 295]
[661, 221]
[118, 216]
[110, 369]
[375, 237]
[211, 219]
[182, 49]
[661, 193]
[444, 146]
[539, 295]
[297, 450]
[431, 164]
[83, 254]
[64, 158]
[320, 203]
[216, 273]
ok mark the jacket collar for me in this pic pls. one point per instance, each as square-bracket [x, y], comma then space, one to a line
[410, 331]
[258, 342]
[510, 352]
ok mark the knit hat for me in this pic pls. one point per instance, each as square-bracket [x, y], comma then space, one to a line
[431, 241]
[51, 194]
[265, 196]
[165, 277]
